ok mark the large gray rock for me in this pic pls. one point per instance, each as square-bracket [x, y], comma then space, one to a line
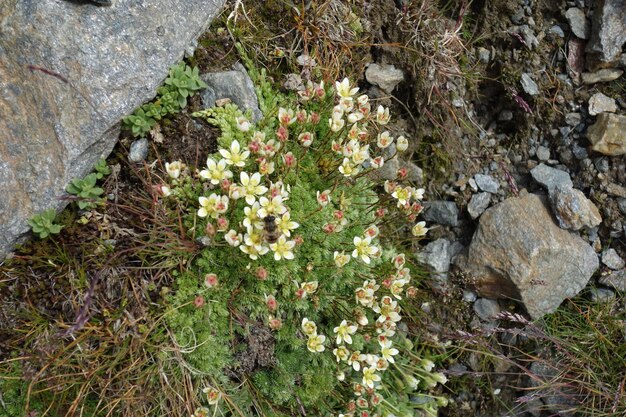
[235, 85]
[519, 252]
[70, 72]
[608, 33]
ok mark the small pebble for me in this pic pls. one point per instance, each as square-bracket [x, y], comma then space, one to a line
[138, 150]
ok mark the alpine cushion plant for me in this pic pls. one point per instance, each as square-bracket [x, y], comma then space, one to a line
[294, 300]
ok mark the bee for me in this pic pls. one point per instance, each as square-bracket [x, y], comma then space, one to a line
[270, 229]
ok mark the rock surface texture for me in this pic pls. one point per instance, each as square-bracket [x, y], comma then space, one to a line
[519, 252]
[608, 134]
[609, 32]
[70, 72]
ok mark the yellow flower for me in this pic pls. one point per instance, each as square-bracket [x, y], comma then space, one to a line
[419, 229]
[316, 343]
[235, 156]
[282, 248]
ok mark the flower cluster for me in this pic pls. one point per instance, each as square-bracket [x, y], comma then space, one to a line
[298, 187]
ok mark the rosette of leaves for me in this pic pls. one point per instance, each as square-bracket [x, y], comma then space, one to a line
[43, 224]
[86, 190]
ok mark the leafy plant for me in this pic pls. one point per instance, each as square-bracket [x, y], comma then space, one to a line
[307, 318]
[43, 224]
[86, 190]
[181, 83]
[102, 169]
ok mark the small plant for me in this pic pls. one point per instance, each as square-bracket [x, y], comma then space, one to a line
[43, 224]
[87, 191]
[181, 83]
[102, 169]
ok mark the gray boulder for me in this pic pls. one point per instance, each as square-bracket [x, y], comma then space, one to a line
[235, 85]
[608, 33]
[519, 252]
[70, 72]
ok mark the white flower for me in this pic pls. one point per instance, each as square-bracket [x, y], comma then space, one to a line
[213, 395]
[361, 155]
[252, 219]
[370, 376]
[316, 343]
[233, 238]
[355, 117]
[212, 206]
[347, 169]
[173, 169]
[341, 259]
[243, 124]
[419, 229]
[282, 248]
[285, 225]
[306, 139]
[250, 186]
[286, 116]
[355, 360]
[341, 353]
[235, 156]
[417, 193]
[402, 194]
[377, 162]
[216, 171]
[166, 191]
[308, 327]
[387, 352]
[402, 144]
[364, 248]
[344, 330]
[344, 90]
[384, 140]
[323, 198]
[382, 115]
[274, 206]
[336, 124]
